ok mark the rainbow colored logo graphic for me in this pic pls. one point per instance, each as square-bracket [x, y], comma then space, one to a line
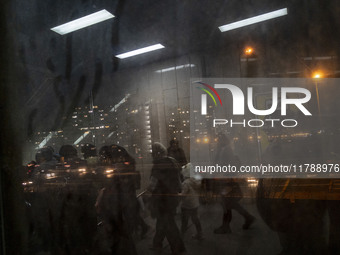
[209, 93]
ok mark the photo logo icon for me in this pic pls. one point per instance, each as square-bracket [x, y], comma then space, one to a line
[204, 96]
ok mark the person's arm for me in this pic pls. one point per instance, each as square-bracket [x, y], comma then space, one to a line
[183, 158]
[153, 184]
[185, 189]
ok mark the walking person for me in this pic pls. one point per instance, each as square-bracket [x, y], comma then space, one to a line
[165, 187]
[229, 189]
[190, 202]
[116, 202]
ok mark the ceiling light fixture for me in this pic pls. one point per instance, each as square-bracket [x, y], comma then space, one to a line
[140, 51]
[174, 68]
[80, 23]
[46, 139]
[81, 138]
[253, 20]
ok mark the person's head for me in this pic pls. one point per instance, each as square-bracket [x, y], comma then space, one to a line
[51, 148]
[89, 150]
[174, 144]
[43, 155]
[222, 140]
[104, 154]
[158, 150]
[120, 155]
[68, 151]
[115, 154]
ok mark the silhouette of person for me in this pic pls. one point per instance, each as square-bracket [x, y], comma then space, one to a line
[69, 156]
[90, 154]
[116, 201]
[177, 153]
[229, 189]
[165, 186]
[190, 202]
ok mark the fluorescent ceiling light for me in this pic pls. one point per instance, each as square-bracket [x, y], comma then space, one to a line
[120, 103]
[81, 138]
[86, 21]
[46, 139]
[253, 20]
[174, 68]
[140, 51]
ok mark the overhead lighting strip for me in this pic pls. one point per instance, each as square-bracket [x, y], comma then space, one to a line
[254, 20]
[81, 138]
[140, 51]
[46, 139]
[120, 103]
[174, 68]
[85, 21]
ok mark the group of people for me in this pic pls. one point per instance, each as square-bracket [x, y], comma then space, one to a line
[170, 184]
[116, 209]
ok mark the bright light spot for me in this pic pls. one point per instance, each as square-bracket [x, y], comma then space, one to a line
[253, 20]
[140, 51]
[317, 75]
[248, 51]
[81, 138]
[83, 22]
[174, 68]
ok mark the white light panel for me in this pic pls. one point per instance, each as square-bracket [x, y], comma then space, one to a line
[85, 21]
[140, 51]
[253, 20]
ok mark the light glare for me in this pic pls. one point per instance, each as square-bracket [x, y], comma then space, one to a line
[85, 21]
[253, 20]
[140, 51]
[318, 75]
[174, 68]
[248, 51]
[81, 138]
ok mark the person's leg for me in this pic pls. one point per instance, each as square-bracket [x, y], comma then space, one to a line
[226, 219]
[195, 220]
[143, 225]
[173, 235]
[185, 219]
[227, 216]
[197, 223]
[249, 219]
[160, 232]
[130, 213]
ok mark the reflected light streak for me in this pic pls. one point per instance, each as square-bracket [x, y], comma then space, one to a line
[81, 138]
[85, 21]
[174, 68]
[140, 51]
[44, 142]
[120, 103]
[253, 20]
